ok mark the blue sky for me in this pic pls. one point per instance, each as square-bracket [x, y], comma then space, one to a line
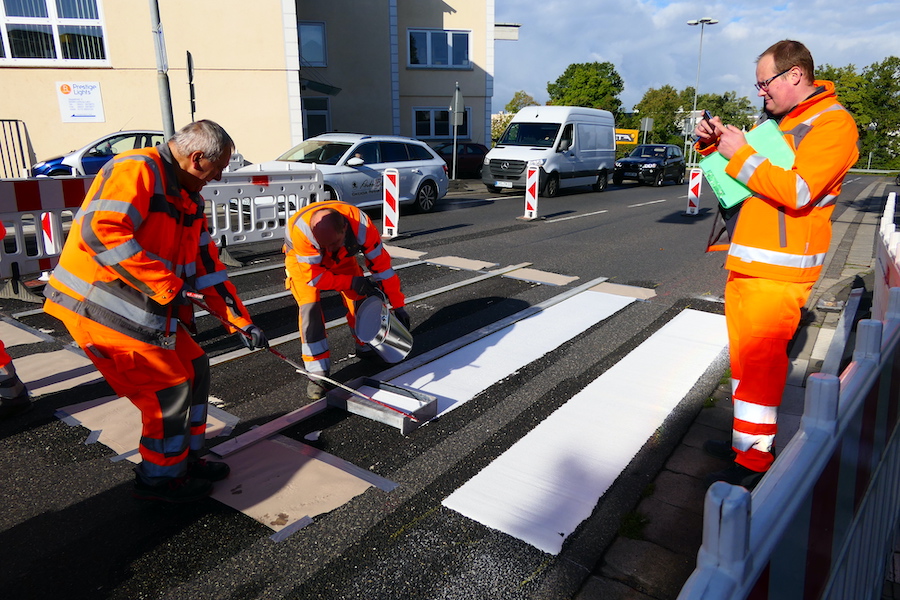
[651, 45]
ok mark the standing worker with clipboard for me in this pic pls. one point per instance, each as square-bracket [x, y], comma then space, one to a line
[776, 240]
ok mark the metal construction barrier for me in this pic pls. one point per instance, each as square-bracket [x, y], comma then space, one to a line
[243, 208]
[15, 149]
[821, 524]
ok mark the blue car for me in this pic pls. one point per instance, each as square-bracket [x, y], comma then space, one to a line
[89, 159]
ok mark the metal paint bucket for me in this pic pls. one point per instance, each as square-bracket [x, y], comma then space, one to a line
[377, 326]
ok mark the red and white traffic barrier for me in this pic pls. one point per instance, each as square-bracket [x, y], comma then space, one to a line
[391, 209]
[694, 185]
[531, 192]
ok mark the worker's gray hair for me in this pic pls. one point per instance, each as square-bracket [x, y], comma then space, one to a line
[205, 136]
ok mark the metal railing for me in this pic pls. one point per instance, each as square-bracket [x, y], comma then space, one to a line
[15, 149]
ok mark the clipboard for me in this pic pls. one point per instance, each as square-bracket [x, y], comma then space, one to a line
[767, 140]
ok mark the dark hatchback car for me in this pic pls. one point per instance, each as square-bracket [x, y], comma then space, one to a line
[652, 164]
[469, 158]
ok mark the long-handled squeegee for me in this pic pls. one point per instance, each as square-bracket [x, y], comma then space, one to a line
[197, 299]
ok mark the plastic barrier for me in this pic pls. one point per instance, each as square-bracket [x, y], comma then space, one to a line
[694, 185]
[391, 205]
[531, 193]
[887, 258]
[254, 206]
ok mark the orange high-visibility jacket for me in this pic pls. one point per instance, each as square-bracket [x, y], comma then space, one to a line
[137, 239]
[783, 231]
[306, 263]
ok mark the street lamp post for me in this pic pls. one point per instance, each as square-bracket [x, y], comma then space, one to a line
[702, 23]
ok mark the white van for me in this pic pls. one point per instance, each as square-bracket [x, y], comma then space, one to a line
[574, 146]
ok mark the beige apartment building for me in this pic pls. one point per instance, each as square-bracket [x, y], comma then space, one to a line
[272, 72]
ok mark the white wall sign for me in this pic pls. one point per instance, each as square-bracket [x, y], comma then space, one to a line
[80, 102]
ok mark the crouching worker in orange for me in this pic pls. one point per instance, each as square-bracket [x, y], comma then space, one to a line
[777, 240]
[139, 247]
[321, 244]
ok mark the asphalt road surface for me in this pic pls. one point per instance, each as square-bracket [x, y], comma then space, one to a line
[70, 528]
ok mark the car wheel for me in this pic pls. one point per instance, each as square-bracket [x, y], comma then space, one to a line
[551, 189]
[680, 180]
[330, 194]
[426, 197]
[658, 180]
[617, 179]
[602, 181]
[60, 173]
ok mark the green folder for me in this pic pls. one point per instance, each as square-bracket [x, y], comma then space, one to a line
[767, 140]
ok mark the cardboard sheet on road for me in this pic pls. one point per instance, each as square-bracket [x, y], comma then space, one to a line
[549, 481]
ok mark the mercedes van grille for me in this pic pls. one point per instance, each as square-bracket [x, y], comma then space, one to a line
[502, 167]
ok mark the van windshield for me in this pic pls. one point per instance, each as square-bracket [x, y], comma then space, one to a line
[317, 151]
[530, 134]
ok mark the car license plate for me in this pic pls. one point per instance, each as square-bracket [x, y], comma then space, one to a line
[506, 184]
[630, 174]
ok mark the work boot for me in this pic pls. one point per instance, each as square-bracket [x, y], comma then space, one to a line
[207, 469]
[11, 407]
[736, 475]
[720, 449]
[315, 389]
[177, 490]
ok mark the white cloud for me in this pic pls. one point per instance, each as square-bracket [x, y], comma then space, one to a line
[651, 45]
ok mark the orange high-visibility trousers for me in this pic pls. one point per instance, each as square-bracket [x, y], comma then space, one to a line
[762, 316]
[169, 386]
[315, 351]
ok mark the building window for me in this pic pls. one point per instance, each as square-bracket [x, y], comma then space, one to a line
[312, 44]
[439, 49]
[52, 32]
[435, 123]
[316, 116]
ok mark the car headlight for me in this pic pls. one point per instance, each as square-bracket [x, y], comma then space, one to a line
[537, 162]
[618, 165]
[486, 161]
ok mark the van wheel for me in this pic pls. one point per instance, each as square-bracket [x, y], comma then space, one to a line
[551, 189]
[426, 197]
[602, 182]
[658, 180]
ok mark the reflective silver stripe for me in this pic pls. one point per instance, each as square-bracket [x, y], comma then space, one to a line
[771, 257]
[205, 238]
[749, 167]
[363, 226]
[306, 230]
[825, 201]
[375, 252]
[318, 366]
[315, 280]
[116, 206]
[314, 348]
[114, 256]
[383, 275]
[102, 298]
[188, 270]
[211, 279]
[311, 260]
[745, 441]
[755, 413]
[803, 195]
[167, 263]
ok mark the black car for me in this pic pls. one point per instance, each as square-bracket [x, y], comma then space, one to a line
[651, 163]
[469, 158]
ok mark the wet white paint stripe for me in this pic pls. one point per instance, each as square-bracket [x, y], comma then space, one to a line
[458, 376]
[547, 483]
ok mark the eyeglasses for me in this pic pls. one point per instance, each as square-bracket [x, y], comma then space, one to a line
[763, 86]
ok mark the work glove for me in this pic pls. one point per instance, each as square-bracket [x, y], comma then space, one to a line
[363, 286]
[402, 316]
[255, 338]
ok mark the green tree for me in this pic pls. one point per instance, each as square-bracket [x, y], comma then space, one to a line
[593, 85]
[662, 106]
[880, 122]
[519, 101]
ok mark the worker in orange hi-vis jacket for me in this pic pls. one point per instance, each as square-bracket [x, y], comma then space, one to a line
[14, 398]
[138, 253]
[321, 244]
[776, 240]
